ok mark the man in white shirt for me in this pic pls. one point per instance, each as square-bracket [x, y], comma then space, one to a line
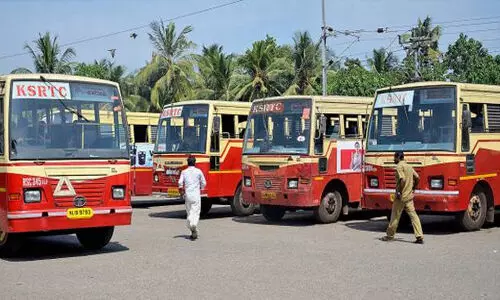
[191, 183]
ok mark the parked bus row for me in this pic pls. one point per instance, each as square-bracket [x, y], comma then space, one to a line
[65, 164]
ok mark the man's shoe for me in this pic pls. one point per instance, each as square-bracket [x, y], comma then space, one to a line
[419, 241]
[194, 234]
[387, 238]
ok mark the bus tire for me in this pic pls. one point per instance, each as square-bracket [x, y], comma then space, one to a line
[272, 213]
[330, 208]
[9, 244]
[206, 205]
[95, 238]
[239, 207]
[474, 216]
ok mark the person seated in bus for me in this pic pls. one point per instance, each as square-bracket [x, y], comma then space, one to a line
[20, 132]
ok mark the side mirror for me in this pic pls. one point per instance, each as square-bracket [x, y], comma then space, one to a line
[322, 124]
[466, 118]
[216, 125]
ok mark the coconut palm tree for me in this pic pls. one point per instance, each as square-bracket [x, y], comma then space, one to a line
[216, 70]
[48, 57]
[382, 61]
[306, 56]
[170, 72]
[262, 72]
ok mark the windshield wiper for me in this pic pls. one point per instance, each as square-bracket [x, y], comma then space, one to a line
[79, 115]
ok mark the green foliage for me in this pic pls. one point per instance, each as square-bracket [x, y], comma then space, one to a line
[267, 69]
[469, 61]
[48, 57]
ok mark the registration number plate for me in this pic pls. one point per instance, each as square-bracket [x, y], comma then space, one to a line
[268, 195]
[173, 193]
[80, 213]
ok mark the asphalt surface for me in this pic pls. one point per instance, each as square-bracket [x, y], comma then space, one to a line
[248, 258]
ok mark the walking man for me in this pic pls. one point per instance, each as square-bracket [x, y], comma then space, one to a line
[406, 181]
[191, 183]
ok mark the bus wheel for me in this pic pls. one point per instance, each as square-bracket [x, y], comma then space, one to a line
[329, 209]
[95, 238]
[206, 205]
[475, 215]
[239, 206]
[272, 213]
[9, 244]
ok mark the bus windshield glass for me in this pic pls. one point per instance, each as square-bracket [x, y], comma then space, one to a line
[66, 120]
[421, 119]
[278, 126]
[183, 129]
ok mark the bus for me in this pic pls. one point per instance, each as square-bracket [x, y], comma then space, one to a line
[62, 171]
[450, 134]
[212, 132]
[305, 152]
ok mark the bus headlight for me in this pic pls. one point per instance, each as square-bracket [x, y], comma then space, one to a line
[373, 182]
[293, 183]
[118, 192]
[248, 181]
[156, 178]
[32, 196]
[436, 183]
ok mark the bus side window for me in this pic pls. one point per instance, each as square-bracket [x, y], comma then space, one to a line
[477, 117]
[242, 125]
[332, 126]
[228, 126]
[351, 126]
[493, 117]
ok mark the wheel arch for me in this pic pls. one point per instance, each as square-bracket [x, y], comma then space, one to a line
[338, 185]
[486, 188]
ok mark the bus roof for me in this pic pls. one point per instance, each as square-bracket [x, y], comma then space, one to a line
[212, 102]
[463, 86]
[55, 77]
[324, 99]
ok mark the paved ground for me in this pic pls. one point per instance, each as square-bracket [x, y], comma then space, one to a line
[250, 259]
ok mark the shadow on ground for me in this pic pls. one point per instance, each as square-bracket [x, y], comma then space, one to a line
[145, 204]
[56, 247]
[431, 225]
[304, 218]
[214, 213]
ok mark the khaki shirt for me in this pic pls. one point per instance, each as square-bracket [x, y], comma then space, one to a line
[406, 172]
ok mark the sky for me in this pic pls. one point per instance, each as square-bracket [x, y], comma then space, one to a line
[234, 27]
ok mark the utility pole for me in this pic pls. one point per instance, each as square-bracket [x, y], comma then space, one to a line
[323, 36]
[412, 45]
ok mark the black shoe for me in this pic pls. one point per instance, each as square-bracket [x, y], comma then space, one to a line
[387, 238]
[194, 234]
[419, 241]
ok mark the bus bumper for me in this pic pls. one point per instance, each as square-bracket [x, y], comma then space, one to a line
[424, 201]
[40, 221]
[290, 199]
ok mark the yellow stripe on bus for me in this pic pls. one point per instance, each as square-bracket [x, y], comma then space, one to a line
[3, 190]
[225, 172]
[478, 176]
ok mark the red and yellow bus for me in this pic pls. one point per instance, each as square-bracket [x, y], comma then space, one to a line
[450, 134]
[64, 159]
[305, 152]
[212, 132]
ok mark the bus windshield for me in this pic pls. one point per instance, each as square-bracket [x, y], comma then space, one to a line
[278, 126]
[66, 120]
[421, 119]
[183, 129]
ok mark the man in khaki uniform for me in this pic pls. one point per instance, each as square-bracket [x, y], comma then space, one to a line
[406, 181]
